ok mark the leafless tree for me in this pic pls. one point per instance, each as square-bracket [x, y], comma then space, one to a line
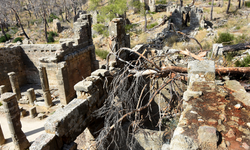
[212, 7]
[228, 6]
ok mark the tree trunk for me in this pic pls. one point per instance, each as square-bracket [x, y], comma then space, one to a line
[145, 26]
[45, 26]
[239, 3]
[243, 3]
[222, 3]
[228, 6]
[19, 21]
[181, 2]
[220, 70]
[237, 47]
[212, 7]
[2, 28]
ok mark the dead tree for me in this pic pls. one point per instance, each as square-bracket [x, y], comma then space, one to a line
[211, 13]
[237, 47]
[228, 6]
[19, 21]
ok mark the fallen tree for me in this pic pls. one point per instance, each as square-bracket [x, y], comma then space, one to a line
[237, 47]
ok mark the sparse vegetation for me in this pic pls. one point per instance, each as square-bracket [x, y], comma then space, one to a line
[3, 39]
[247, 4]
[150, 26]
[101, 29]
[101, 53]
[17, 39]
[225, 38]
[243, 63]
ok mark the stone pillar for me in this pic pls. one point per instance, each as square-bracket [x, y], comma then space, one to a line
[15, 85]
[33, 112]
[201, 75]
[31, 95]
[13, 116]
[45, 86]
[63, 84]
[2, 89]
[2, 139]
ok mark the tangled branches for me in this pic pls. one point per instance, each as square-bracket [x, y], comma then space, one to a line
[133, 98]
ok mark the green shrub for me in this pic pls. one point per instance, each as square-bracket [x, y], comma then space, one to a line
[101, 29]
[238, 28]
[225, 38]
[17, 39]
[150, 26]
[51, 33]
[101, 53]
[160, 2]
[243, 63]
[247, 4]
[51, 39]
[52, 16]
[3, 39]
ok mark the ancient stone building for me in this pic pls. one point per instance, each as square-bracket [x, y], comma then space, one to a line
[66, 63]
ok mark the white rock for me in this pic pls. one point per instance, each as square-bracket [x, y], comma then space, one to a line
[237, 106]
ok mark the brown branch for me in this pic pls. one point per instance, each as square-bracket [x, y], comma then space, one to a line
[128, 49]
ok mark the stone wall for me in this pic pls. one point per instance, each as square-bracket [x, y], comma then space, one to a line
[66, 63]
[67, 123]
[11, 61]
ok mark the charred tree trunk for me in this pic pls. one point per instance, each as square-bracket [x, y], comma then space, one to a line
[145, 26]
[228, 6]
[239, 4]
[237, 47]
[19, 21]
[2, 28]
[45, 26]
[212, 7]
[181, 2]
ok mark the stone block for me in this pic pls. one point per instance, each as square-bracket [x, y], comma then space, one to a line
[33, 112]
[2, 89]
[84, 86]
[201, 75]
[46, 142]
[182, 142]
[100, 72]
[70, 121]
[207, 137]
[217, 49]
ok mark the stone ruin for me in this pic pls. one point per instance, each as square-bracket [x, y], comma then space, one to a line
[58, 66]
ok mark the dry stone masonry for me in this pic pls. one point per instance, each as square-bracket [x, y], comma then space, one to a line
[63, 127]
[65, 63]
[13, 116]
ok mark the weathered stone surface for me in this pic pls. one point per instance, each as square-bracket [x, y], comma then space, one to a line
[13, 116]
[2, 89]
[45, 86]
[14, 84]
[189, 94]
[47, 141]
[207, 137]
[239, 91]
[100, 72]
[2, 139]
[33, 112]
[84, 85]
[70, 121]
[217, 49]
[181, 142]
[57, 26]
[31, 96]
[201, 75]
[156, 139]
